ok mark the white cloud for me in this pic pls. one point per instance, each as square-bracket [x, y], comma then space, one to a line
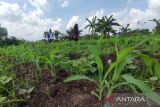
[30, 25]
[64, 3]
[10, 12]
[132, 1]
[100, 13]
[25, 6]
[32, 30]
[73, 21]
[139, 18]
[57, 24]
[154, 7]
[38, 3]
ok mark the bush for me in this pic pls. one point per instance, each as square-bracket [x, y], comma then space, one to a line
[10, 41]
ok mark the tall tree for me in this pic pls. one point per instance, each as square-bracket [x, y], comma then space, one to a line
[105, 25]
[57, 33]
[157, 28]
[92, 25]
[3, 32]
[45, 34]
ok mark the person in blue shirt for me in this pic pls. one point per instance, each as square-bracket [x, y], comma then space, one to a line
[50, 35]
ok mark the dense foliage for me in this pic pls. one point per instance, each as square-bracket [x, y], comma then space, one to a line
[137, 58]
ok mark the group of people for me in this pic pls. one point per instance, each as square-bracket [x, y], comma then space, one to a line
[74, 35]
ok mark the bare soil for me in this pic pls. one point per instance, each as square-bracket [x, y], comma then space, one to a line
[53, 92]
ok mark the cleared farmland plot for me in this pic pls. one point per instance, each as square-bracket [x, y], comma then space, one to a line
[80, 73]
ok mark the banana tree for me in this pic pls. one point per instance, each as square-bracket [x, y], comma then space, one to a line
[69, 31]
[92, 25]
[125, 29]
[105, 25]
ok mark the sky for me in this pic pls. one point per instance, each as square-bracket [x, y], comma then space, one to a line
[28, 19]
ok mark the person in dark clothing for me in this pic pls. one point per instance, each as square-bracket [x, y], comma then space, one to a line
[75, 33]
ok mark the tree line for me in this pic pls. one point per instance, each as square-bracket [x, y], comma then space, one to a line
[105, 27]
[5, 40]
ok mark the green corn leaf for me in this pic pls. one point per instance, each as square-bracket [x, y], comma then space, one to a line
[148, 61]
[92, 69]
[123, 58]
[146, 90]
[112, 66]
[76, 63]
[78, 77]
[123, 53]
[4, 79]
[157, 69]
[153, 78]
[131, 66]
[52, 54]
[96, 54]
[90, 57]
[43, 59]
[2, 99]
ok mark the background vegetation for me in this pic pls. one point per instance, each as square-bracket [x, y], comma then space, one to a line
[131, 61]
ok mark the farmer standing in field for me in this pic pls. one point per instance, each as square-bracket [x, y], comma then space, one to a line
[75, 33]
[50, 35]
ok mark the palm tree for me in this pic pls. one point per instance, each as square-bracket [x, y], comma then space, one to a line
[92, 25]
[105, 25]
[80, 31]
[69, 31]
[157, 28]
[125, 30]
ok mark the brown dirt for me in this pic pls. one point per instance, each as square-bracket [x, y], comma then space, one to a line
[74, 56]
[74, 94]
[106, 58]
[52, 92]
[25, 72]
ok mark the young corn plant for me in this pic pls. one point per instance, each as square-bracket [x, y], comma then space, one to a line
[48, 61]
[104, 81]
[9, 97]
[154, 69]
[153, 66]
[146, 89]
[81, 66]
[115, 70]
